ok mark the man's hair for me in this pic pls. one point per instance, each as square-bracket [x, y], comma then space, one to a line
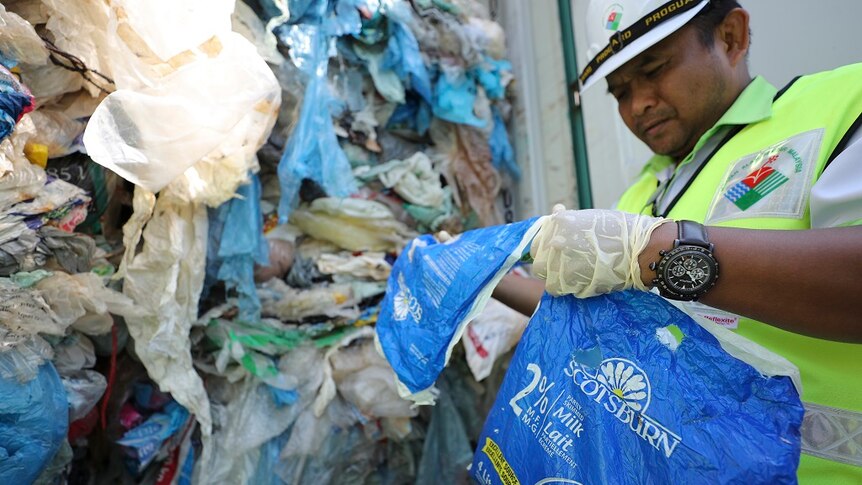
[711, 17]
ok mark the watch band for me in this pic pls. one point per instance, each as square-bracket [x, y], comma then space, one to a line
[692, 234]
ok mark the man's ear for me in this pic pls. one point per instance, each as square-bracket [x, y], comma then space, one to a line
[733, 36]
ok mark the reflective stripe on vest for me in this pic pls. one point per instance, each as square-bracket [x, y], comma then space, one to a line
[832, 433]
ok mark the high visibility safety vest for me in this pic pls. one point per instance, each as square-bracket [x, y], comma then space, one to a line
[760, 178]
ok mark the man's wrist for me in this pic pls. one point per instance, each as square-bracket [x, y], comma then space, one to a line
[661, 238]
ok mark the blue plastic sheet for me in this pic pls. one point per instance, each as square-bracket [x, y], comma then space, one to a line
[593, 396]
[434, 290]
[236, 243]
[34, 420]
[312, 150]
[403, 57]
[502, 154]
[490, 74]
[454, 97]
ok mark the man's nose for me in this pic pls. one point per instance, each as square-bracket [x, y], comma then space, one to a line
[643, 98]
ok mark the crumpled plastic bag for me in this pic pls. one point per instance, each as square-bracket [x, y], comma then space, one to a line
[600, 390]
[335, 300]
[414, 179]
[34, 420]
[455, 96]
[353, 224]
[371, 265]
[83, 302]
[364, 379]
[434, 291]
[490, 335]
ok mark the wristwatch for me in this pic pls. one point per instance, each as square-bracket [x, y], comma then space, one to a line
[689, 270]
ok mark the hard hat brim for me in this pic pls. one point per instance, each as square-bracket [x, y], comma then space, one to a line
[641, 44]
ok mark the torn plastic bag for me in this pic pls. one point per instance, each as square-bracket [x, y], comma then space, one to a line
[435, 289]
[601, 391]
[414, 179]
[312, 151]
[402, 56]
[34, 420]
[493, 76]
[60, 134]
[454, 97]
[335, 300]
[353, 224]
[223, 106]
[386, 81]
[490, 335]
[236, 244]
[502, 153]
[446, 450]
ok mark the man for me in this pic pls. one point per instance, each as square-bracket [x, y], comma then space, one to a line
[775, 176]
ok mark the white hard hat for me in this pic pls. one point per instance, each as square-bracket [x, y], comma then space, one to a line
[619, 30]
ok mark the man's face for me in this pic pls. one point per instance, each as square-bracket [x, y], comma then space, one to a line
[670, 94]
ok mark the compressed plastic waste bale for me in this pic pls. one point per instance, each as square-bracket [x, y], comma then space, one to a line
[353, 224]
[435, 289]
[33, 424]
[595, 394]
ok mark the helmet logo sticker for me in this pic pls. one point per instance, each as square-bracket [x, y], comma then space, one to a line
[613, 17]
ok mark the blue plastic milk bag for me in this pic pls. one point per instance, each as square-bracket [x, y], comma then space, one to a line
[596, 393]
[434, 290]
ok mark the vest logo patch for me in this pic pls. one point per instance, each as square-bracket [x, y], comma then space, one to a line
[773, 182]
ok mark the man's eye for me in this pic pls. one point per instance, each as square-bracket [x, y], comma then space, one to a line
[653, 71]
[620, 94]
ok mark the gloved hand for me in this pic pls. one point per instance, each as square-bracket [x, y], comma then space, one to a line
[591, 252]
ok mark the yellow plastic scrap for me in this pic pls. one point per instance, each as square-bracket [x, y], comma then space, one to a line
[37, 153]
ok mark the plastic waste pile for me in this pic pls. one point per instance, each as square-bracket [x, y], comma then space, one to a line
[200, 205]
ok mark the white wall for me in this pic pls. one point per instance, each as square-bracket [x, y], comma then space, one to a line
[790, 37]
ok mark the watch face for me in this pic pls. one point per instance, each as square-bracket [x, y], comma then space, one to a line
[688, 270]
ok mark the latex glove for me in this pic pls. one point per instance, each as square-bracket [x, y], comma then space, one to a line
[591, 252]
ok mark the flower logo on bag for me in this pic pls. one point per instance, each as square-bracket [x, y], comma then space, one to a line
[405, 303]
[626, 381]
